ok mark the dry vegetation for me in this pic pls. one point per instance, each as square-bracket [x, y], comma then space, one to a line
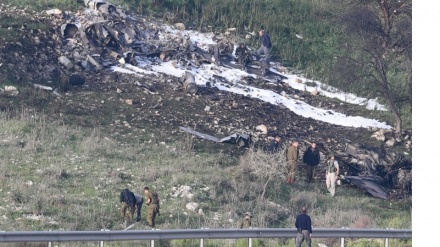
[58, 177]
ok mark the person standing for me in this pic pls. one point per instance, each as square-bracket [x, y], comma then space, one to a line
[128, 201]
[331, 173]
[152, 200]
[266, 44]
[246, 222]
[292, 160]
[303, 224]
[311, 158]
[138, 206]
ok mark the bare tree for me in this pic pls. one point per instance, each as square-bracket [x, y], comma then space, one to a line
[377, 53]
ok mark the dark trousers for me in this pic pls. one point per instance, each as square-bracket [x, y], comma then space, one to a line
[310, 173]
[301, 236]
[139, 207]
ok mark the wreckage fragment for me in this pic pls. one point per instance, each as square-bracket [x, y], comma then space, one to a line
[189, 83]
[242, 140]
[69, 30]
[56, 12]
[369, 184]
[76, 80]
[94, 62]
[66, 62]
[43, 87]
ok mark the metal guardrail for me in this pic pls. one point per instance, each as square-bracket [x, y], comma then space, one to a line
[66, 236]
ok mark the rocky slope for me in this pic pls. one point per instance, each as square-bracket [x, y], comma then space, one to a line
[65, 65]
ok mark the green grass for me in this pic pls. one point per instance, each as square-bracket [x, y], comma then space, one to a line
[73, 175]
[68, 174]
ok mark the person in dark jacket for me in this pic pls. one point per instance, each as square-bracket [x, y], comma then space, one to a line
[128, 201]
[303, 224]
[311, 158]
[266, 44]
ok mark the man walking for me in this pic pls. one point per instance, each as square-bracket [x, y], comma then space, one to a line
[311, 158]
[292, 160]
[128, 201]
[331, 173]
[152, 200]
[303, 224]
[266, 44]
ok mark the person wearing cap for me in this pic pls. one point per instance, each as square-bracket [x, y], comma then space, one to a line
[292, 160]
[331, 173]
[246, 222]
[311, 158]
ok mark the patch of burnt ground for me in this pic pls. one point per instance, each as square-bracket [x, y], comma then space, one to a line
[153, 107]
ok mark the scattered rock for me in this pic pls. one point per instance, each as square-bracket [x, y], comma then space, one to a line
[192, 206]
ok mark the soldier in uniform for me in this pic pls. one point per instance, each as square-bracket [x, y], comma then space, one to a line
[292, 160]
[128, 201]
[152, 201]
[246, 222]
[243, 55]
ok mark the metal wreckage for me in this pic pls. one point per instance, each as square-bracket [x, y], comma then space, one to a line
[103, 36]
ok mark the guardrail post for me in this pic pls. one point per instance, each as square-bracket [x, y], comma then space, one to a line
[50, 243]
[202, 241]
[101, 244]
[386, 240]
[342, 240]
[152, 243]
[250, 242]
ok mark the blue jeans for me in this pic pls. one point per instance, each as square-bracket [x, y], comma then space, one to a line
[139, 207]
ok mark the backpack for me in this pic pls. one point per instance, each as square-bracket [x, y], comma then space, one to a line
[156, 201]
[156, 198]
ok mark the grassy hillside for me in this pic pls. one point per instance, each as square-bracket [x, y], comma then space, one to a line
[64, 170]
[65, 177]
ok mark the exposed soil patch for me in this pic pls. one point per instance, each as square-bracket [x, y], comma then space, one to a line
[117, 104]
